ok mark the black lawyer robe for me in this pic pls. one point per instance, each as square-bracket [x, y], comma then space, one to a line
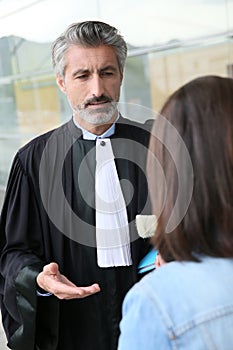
[48, 216]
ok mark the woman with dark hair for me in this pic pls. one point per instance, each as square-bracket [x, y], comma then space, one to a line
[187, 303]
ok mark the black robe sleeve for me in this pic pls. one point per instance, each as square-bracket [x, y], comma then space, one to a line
[20, 231]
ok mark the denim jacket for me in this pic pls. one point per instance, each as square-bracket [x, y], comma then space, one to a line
[182, 305]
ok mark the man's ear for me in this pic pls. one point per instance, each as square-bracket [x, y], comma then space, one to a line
[122, 76]
[61, 83]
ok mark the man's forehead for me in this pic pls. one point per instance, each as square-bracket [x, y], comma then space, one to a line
[91, 57]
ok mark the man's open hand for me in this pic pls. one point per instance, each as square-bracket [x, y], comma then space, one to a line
[51, 280]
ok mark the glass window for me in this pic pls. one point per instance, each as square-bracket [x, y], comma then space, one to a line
[170, 42]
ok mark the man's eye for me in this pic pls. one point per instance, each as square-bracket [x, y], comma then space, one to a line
[107, 73]
[83, 76]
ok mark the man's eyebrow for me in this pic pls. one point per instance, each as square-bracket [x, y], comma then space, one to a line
[87, 71]
[80, 71]
[109, 67]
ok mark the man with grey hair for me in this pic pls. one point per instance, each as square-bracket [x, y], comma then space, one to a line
[69, 246]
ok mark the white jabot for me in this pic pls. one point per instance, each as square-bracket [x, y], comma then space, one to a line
[112, 230]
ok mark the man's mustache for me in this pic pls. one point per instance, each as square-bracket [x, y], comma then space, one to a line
[102, 98]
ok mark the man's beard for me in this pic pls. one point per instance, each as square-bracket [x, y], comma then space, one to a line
[97, 116]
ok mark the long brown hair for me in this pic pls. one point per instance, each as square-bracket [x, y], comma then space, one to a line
[202, 113]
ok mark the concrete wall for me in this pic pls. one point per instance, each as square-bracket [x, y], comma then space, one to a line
[1, 198]
[3, 341]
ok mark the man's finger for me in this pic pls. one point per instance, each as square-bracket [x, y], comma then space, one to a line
[51, 269]
[63, 291]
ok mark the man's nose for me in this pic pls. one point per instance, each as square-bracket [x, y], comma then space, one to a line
[97, 86]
